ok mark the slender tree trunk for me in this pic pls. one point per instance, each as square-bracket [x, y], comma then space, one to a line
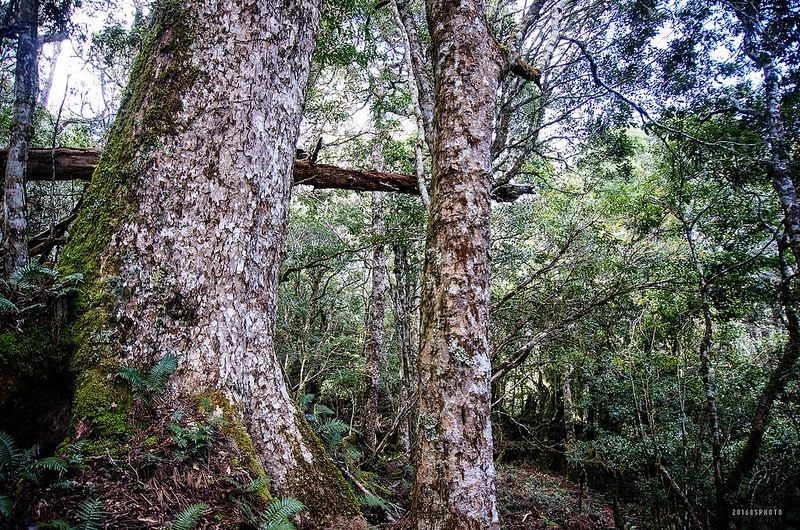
[454, 485]
[569, 410]
[26, 84]
[418, 67]
[183, 227]
[47, 84]
[374, 347]
[722, 507]
[423, 104]
[778, 166]
[404, 290]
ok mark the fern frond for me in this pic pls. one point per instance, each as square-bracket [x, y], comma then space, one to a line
[72, 279]
[9, 453]
[8, 305]
[133, 377]
[247, 510]
[304, 402]
[52, 463]
[352, 452]
[28, 456]
[64, 485]
[233, 482]
[73, 452]
[68, 284]
[92, 513]
[31, 275]
[6, 506]
[189, 517]
[333, 426]
[258, 483]
[160, 372]
[371, 500]
[322, 410]
[280, 510]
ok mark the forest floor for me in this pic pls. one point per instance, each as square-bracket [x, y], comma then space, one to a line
[530, 498]
[178, 459]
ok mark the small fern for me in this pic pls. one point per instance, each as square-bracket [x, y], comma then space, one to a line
[135, 379]
[31, 276]
[56, 525]
[92, 513]
[8, 305]
[189, 517]
[161, 371]
[10, 455]
[253, 486]
[278, 525]
[257, 484]
[276, 516]
[332, 430]
[153, 382]
[52, 463]
[304, 402]
[69, 284]
[6, 506]
[370, 500]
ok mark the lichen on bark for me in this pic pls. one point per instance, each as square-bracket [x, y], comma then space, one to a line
[454, 482]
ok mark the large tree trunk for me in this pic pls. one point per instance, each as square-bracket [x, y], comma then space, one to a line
[181, 234]
[26, 84]
[454, 485]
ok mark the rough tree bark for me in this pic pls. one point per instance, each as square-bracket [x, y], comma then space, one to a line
[374, 345]
[455, 478]
[26, 84]
[182, 230]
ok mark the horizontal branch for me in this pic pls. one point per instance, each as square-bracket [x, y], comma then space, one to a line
[66, 163]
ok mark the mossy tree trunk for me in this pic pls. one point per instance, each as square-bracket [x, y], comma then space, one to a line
[182, 230]
[454, 484]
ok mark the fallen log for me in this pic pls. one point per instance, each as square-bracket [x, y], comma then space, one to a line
[66, 163]
[63, 163]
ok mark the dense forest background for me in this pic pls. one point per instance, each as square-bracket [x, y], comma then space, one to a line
[644, 339]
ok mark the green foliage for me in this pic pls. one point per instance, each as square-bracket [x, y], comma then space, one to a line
[153, 383]
[276, 516]
[34, 287]
[189, 517]
[332, 431]
[370, 500]
[6, 506]
[193, 440]
[10, 455]
[18, 465]
[254, 486]
[91, 514]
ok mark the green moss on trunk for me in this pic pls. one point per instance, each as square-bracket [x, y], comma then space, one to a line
[321, 503]
[151, 104]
